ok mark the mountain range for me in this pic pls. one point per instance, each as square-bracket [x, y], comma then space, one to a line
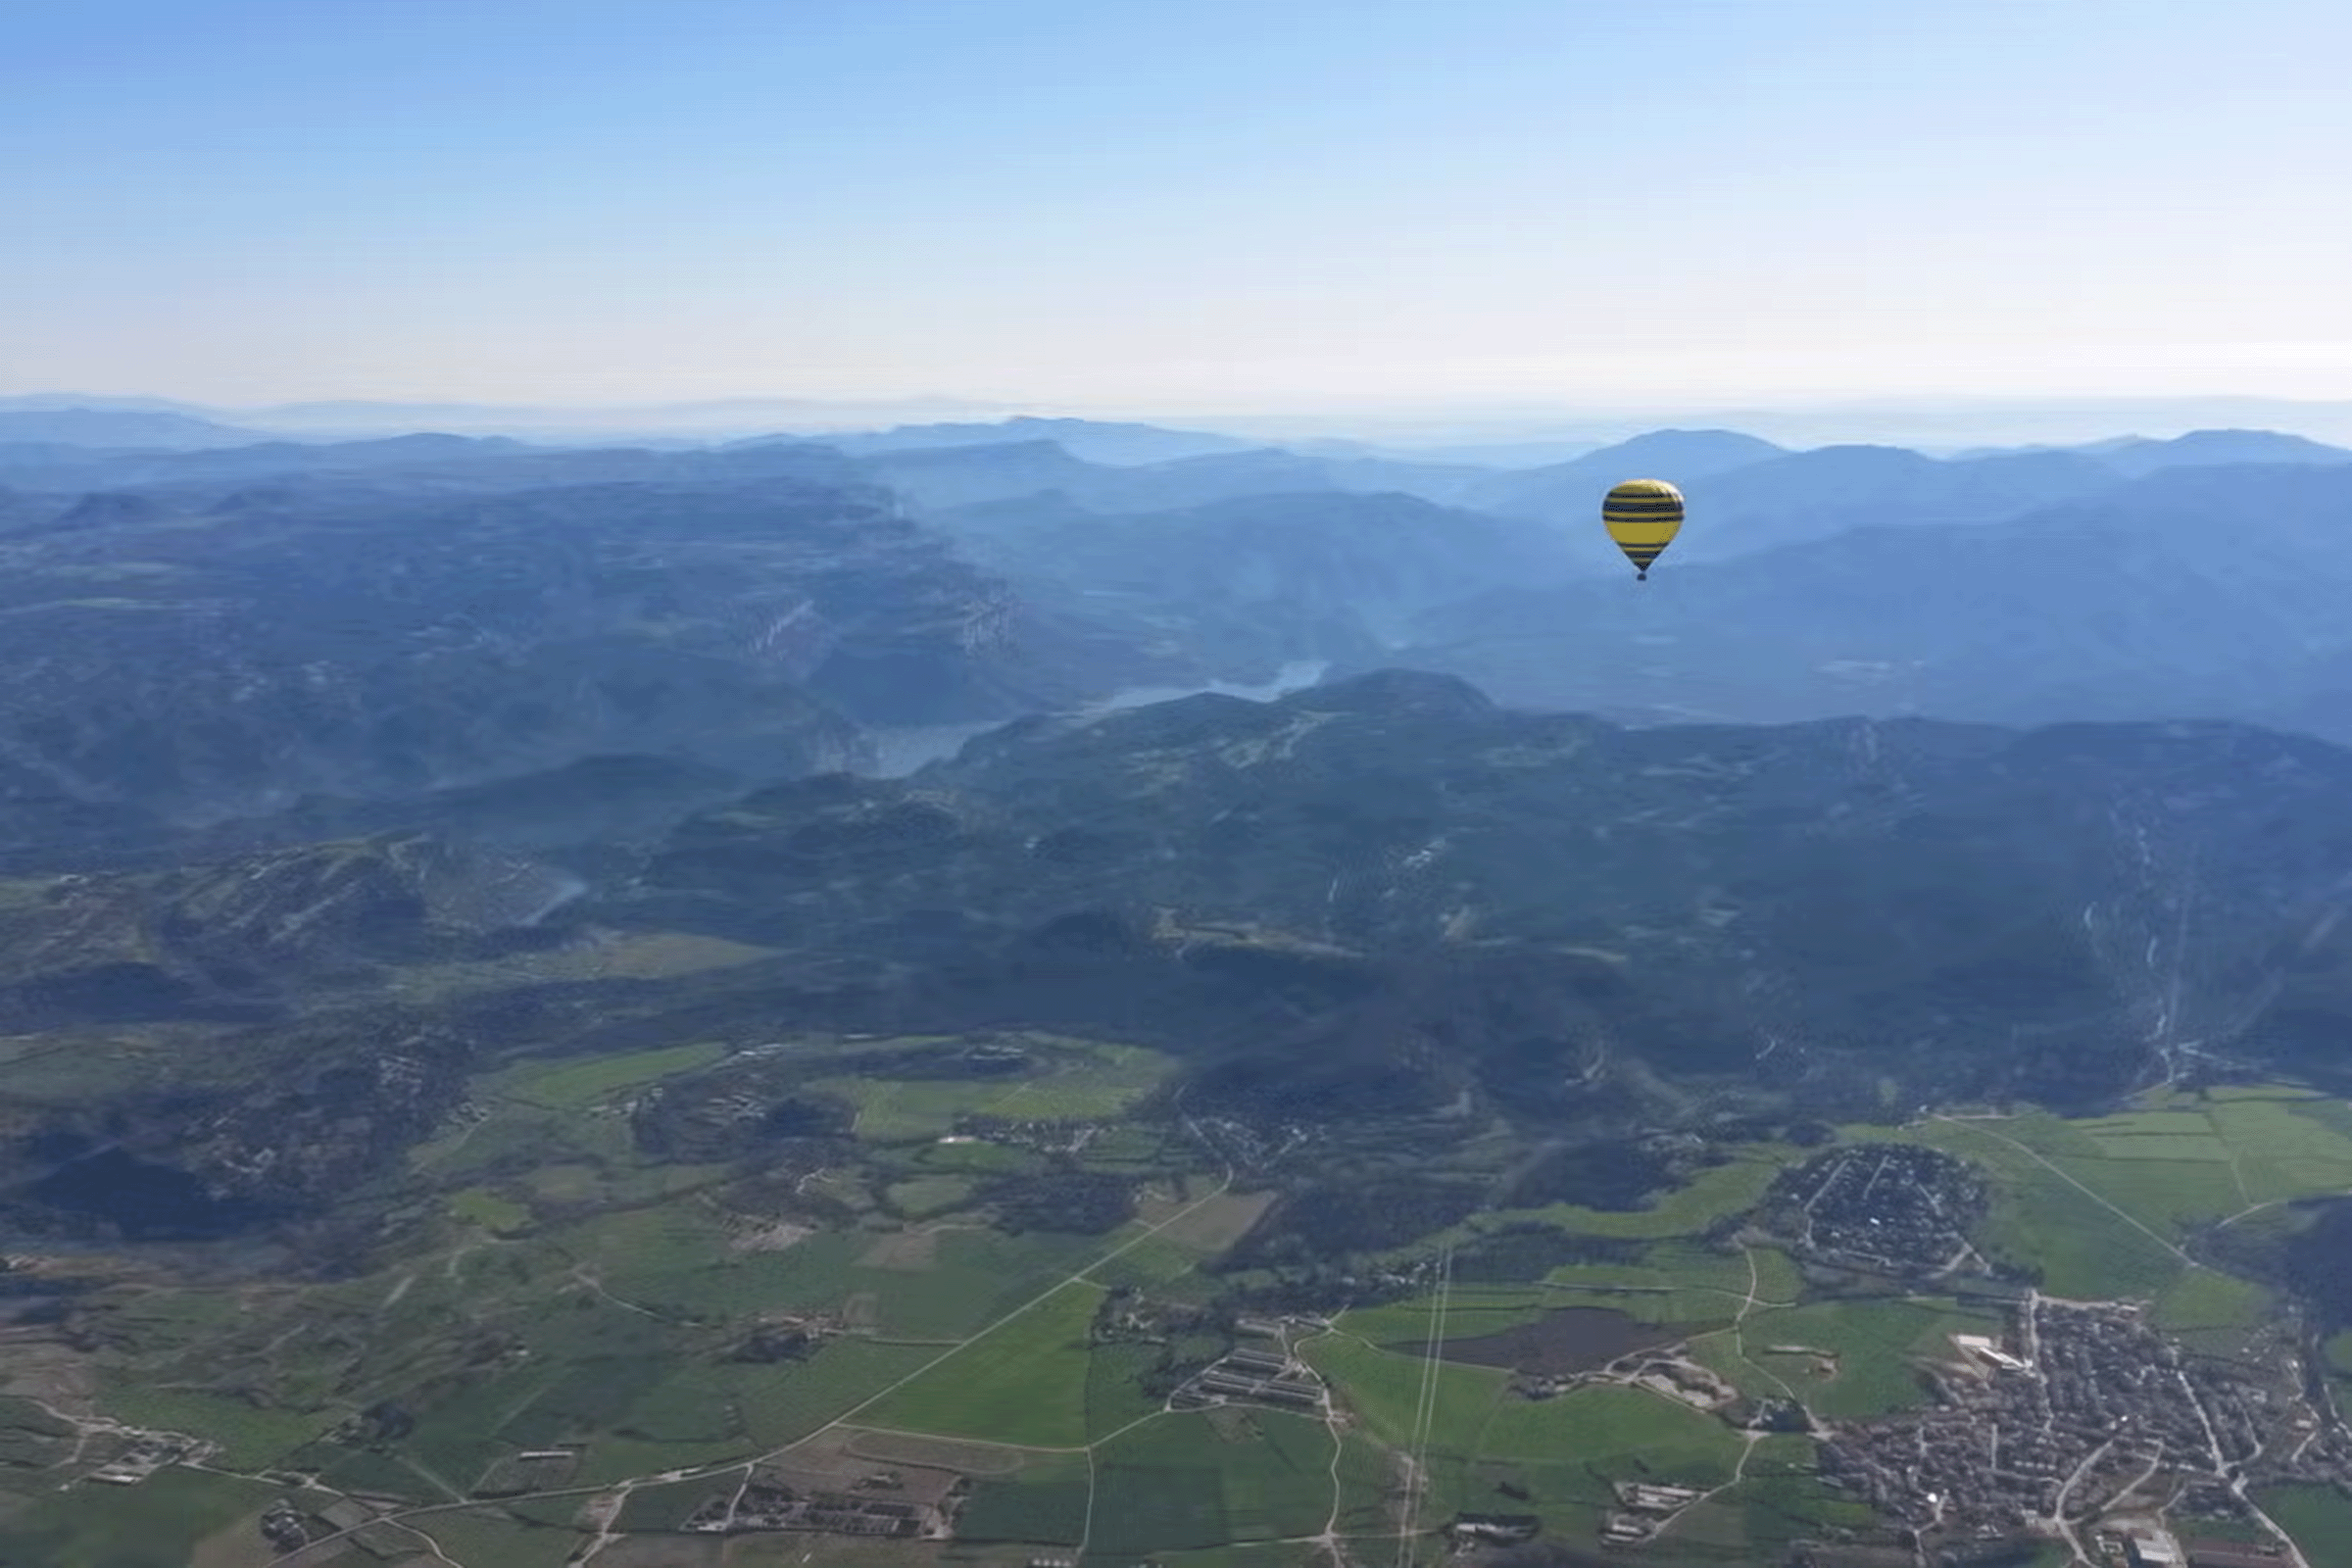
[2009, 587]
[182, 658]
[2147, 599]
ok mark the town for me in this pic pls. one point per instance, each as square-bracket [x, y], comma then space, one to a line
[1893, 1208]
[2088, 1423]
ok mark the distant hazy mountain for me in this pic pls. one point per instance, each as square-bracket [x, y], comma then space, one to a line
[2213, 448]
[956, 476]
[1812, 495]
[1572, 489]
[118, 427]
[418, 464]
[1786, 498]
[2193, 593]
[1255, 581]
[1495, 454]
[713, 418]
[194, 660]
[1089, 440]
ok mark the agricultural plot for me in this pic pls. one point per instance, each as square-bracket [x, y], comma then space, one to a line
[1085, 1082]
[2043, 1217]
[566, 1084]
[1023, 1382]
[1715, 1191]
[1621, 1433]
[156, 1524]
[2318, 1518]
[780, 1404]
[1207, 1479]
[1782, 1501]
[1153, 1265]
[640, 956]
[500, 1216]
[1045, 1504]
[1472, 1311]
[488, 1535]
[1848, 1360]
[251, 1438]
[2157, 1173]
[2211, 1310]
[1115, 1401]
[1257, 1555]
[924, 1197]
[666, 1507]
[1385, 1389]
[1679, 1282]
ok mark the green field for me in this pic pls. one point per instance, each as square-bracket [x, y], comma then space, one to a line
[154, 1524]
[1715, 1191]
[1209, 1479]
[1384, 1387]
[2096, 1204]
[1080, 1081]
[1045, 1504]
[2318, 1518]
[1023, 1382]
[784, 1404]
[249, 1437]
[555, 1284]
[1873, 1346]
[1623, 1433]
[577, 1085]
[489, 1536]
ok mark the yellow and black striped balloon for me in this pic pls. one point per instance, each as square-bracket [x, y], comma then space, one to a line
[1642, 516]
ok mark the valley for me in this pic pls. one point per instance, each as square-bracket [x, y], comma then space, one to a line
[937, 1042]
[581, 1354]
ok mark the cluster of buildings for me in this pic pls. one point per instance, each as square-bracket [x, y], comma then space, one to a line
[146, 1453]
[883, 1504]
[1643, 1509]
[1899, 1209]
[1272, 1375]
[1054, 1135]
[2084, 1409]
[284, 1528]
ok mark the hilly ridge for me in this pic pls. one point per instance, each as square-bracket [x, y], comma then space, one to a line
[200, 660]
[1368, 899]
[2145, 602]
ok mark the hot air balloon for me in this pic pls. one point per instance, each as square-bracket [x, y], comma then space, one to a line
[1642, 516]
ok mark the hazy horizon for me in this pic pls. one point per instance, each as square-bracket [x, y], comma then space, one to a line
[1927, 424]
[1179, 212]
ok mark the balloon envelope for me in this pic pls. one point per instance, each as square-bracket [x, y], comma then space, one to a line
[1642, 516]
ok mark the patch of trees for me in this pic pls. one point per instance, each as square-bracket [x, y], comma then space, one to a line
[1609, 1176]
[1313, 1082]
[1321, 1288]
[1330, 1221]
[2319, 1261]
[771, 1343]
[1527, 1252]
[731, 1118]
[1083, 1202]
[110, 1193]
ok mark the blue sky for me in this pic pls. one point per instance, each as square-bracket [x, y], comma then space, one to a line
[1174, 204]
